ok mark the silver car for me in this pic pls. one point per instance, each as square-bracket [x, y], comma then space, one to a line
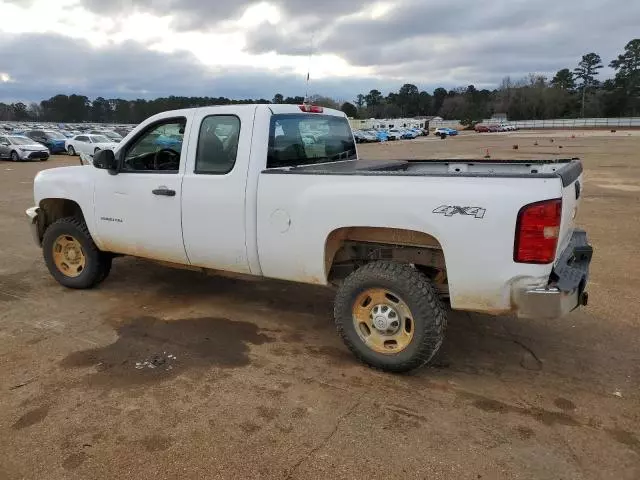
[18, 147]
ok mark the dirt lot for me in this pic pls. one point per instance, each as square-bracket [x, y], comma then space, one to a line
[251, 381]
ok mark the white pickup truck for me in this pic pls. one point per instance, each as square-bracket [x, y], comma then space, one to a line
[278, 191]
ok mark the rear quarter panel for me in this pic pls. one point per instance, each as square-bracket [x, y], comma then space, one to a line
[296, 214]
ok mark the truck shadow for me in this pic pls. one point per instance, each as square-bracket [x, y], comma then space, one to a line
[303, 314]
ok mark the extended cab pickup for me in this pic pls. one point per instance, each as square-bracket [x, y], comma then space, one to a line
[278, 191]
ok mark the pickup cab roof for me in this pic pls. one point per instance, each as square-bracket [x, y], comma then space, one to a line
[276, 109]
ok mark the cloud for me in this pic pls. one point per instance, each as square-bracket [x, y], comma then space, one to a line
[58, 64]
[208, 14]
[255, 48]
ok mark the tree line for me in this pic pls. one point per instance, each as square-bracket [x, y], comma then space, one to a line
[571, 93]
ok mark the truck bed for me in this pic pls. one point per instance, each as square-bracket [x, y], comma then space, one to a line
[567, 169]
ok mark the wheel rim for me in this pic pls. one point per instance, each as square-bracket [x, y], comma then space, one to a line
[14, 156]
[383, 321]
[71, 151]
[69, 256]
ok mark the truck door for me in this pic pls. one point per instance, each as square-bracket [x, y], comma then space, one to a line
[213, 188]
[137, 211]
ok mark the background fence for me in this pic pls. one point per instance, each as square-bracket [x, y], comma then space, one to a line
[559, 123]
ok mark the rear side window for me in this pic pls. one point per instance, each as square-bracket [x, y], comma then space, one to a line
[298, 139]
[217, 144]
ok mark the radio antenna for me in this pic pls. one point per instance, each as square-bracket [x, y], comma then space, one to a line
[306, 93]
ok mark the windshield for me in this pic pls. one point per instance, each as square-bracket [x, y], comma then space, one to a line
[21, 141]
[55, 136]
[99, 139]
[298, 139]
[113, 135]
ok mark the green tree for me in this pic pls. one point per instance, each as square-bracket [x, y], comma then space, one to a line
[586, 72]
[439, 94]
[374, 101]
[360, 100]
[349, 109]
[101, 110]
[20, 111]
[324, 101]
[407, 99]
[564, 80]
[278, 98]
[627, 79]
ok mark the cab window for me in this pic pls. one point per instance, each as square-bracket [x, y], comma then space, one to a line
[157, 149]
[217, 144]
[296, 140]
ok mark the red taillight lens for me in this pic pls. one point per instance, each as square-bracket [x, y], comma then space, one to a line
[311, 108]
[537, 232]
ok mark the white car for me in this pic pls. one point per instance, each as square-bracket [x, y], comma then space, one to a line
[393, 237]
[89, 144]
[395, 134]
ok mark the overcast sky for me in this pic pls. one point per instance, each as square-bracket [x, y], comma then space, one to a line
[253, 49]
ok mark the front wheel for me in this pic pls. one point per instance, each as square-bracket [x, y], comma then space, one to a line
[15, 157]
[390, 317]
[71, 151]
[72, 257]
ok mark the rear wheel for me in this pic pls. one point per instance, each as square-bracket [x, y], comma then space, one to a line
[14, 156]
[71, 151]
[72, 257]
[390, 317]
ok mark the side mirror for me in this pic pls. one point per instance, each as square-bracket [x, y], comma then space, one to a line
[106, 160]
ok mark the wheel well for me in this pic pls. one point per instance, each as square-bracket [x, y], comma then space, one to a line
[347, 249]
[53, 209]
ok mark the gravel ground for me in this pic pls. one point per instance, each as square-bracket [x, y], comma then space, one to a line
[162, 373]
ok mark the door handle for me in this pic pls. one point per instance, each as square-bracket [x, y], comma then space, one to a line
[164, 191]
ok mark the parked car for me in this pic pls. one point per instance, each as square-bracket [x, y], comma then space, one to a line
[122, 131]
[111, 135]
[408, 134]
[447, 132]
[394, 134]
[358, 135]
[51, 139]
[16, 148]
[481, 128]
[317, 216]
[89, 144]
[380, 135]
[494, 128]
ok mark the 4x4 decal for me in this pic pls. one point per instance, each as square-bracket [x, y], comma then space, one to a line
[451, 210]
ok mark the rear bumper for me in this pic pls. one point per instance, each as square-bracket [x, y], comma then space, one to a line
[566, 288]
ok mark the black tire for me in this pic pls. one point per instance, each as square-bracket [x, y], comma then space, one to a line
[414, 287]
[14, 156]
[98, 264]
[71, 151]
[96, 151]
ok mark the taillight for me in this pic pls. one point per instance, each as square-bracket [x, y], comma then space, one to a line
[311, 108]
[537, 231]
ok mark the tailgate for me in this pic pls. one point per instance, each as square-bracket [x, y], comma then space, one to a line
[572, 181]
